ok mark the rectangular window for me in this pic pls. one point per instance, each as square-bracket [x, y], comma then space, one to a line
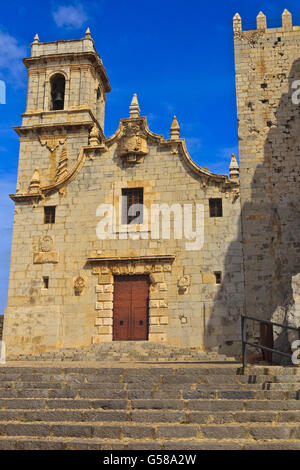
[132, 206]
[215, 207]
[49, 214]
[218, 275]
[45, 282]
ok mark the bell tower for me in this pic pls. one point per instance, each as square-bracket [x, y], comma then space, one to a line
[61, 132]
[67, 77]
[66, 94]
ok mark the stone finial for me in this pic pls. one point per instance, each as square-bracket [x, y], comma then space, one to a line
[94, 137]
[35, 181]
[261, 21]
[88, 34]
[36, 39]
[287, 21]
[237, 23]
[134, 109]
[234, 170]
[175, 129]
[62, 167]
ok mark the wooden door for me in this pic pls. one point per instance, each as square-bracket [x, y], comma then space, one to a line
[130, 320]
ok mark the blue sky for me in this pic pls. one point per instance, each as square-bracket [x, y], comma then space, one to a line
[177, 56]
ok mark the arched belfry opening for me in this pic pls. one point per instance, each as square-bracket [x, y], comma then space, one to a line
[99, 94]
[58, 83]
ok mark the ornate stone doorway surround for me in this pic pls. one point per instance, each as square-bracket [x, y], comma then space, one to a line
[158, 267]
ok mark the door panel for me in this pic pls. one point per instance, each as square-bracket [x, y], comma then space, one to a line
[130, 321]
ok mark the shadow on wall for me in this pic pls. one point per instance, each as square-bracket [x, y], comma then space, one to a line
[270, 224]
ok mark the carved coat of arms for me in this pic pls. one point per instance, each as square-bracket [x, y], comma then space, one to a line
[133, 142]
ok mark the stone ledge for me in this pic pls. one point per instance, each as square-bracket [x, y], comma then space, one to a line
[46, 257]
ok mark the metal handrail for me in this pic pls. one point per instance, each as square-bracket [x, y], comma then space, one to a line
[260, 346]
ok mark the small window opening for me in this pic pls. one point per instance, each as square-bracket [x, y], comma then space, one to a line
[132, 206]
[218, 275]
[46, 282]
[49, 214]
[215, 207]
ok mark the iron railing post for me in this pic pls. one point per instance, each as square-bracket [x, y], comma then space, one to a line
[244, 319]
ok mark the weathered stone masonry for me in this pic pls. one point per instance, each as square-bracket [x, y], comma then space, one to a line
[62, 274]
[267, 65]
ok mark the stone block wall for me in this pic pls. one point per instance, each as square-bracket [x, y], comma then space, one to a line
[267, 62]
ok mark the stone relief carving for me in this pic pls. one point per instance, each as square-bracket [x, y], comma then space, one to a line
[79, 285]
[183, 319]
[52, 143]
[183, 284]
[133, 142]
[62, 166]
[45, 253]
[35, 182]
[46, 243]
[94, 136]
[46, 257]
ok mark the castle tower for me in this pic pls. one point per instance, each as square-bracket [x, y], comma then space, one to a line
[267, 62]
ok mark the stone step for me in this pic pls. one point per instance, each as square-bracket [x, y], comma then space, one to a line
[175, 392]
[128, 389]
[117, 351]
[63, 443]
[128, 407]
[150, 416]
[154, 431]
[155, 385]
[157, 378]
[134, 372]
[150, 383]
[235, 399]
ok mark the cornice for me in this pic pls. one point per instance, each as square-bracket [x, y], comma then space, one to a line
[178, 145]
[118, 259]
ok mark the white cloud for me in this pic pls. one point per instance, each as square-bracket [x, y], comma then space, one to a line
[70, 16]
[11, 55]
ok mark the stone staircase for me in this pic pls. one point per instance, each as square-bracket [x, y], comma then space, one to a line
[125, 351]
[106, 406]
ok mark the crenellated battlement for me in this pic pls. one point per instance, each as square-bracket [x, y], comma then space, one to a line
[261, 24]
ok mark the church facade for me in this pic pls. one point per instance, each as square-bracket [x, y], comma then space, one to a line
[120, 238]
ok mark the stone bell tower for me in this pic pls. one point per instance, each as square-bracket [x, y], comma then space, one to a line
[67, 86]
[66, 76]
